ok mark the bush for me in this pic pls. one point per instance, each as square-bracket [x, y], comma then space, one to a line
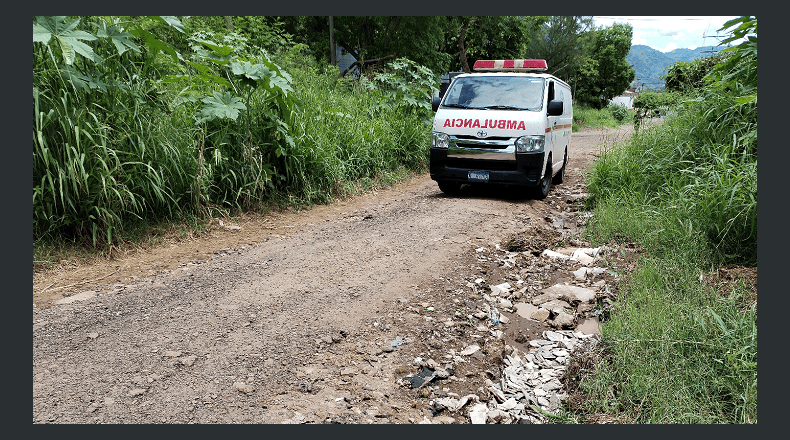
[619, 112]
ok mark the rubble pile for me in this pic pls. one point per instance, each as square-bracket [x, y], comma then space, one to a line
[560, 290]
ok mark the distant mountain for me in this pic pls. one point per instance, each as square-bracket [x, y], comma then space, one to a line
[651, 64]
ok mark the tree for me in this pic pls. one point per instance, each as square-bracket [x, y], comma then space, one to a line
[689, 76]
[564, 43]
[606, 73]
[375, 37]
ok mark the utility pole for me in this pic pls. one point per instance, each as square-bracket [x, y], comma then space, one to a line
[332, 42]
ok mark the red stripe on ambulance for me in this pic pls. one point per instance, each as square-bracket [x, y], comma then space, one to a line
[487, 123]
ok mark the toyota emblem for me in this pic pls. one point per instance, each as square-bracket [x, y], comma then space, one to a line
[482, 134]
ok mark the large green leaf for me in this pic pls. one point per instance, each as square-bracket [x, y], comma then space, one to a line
[171, 21]
[68, 38]
[254, 72]
[120, 39]
[221, 106]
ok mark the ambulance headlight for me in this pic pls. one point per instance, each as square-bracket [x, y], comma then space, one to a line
[529, 144]
[440, 140]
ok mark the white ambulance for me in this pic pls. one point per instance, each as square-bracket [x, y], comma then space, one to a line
[508, 123]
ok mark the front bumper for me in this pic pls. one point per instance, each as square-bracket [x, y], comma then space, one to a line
[523, 169]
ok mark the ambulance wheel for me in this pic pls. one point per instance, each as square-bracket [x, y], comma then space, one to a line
[449, 187]
[560, 176]
[544, 186]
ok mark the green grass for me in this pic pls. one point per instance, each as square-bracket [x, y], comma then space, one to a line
[110, 163]
[678, 349]
[605, 117]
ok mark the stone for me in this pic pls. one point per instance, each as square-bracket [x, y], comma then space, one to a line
[188, 361]
[540, 299]
[500, 289]
[589, 326]
[540, 315]
[470, 350]
[508, 404]
[505, 304]
[243, 387]
[563, 320]
[326, 339]
[570, 294]
[580, 274]
[137, 392]
[93, 335]
[82, 296]
[478, 413]
[171, 353]
[443, 420]
[525, 310]
[556, 306]
[551, 254]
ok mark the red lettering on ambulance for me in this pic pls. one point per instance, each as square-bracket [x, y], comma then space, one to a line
[511, 125]
[458, 123]
[476, 124]
[467, 123]
[521, 126]
[447, 123]
[501, 123]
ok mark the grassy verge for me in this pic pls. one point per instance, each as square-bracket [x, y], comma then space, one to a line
[612, 116]
[681, 345]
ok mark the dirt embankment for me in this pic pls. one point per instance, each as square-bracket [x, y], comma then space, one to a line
[305, 317]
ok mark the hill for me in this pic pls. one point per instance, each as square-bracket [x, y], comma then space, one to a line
[650, 64]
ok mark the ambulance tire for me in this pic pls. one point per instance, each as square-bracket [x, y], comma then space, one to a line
[449, 187]
[560, 176]
[542, 190]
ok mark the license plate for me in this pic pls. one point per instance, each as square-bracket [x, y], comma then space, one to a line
[478, 176]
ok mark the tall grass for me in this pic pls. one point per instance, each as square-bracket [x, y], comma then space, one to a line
[702, 167]
[678, 350]
[345, 134]
[610, 116]
[122, 140]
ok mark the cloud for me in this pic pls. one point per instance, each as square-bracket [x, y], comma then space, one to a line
[670, 47]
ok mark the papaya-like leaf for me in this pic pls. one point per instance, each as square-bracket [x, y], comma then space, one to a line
[68, 38]
[221, 106]
[121, 40]
[169, 20]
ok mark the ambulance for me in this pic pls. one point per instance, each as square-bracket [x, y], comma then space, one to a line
[507, 123]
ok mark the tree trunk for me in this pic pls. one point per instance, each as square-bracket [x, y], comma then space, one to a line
[229, 22]
[461, 48]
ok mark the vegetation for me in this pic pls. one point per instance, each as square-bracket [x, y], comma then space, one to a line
[651, 65]
[679, 347]
[606, 73]
[129, 131]
[144, 118]
[611, 116]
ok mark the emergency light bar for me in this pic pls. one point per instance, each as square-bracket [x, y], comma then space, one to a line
[511, 65]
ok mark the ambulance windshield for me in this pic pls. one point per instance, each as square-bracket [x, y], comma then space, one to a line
[496, 92]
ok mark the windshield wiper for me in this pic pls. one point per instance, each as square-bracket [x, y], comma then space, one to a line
[504, 107]
[460, 106]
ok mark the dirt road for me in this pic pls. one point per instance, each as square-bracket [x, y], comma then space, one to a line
[306, 317]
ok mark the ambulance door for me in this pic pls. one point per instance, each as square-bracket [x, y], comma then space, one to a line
[551, 142]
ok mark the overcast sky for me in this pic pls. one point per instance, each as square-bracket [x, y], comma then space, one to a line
[667, 33]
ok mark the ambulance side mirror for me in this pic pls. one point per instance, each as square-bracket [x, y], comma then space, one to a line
[555, 108]
[435, 103]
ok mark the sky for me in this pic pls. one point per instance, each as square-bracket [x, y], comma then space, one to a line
[667, 33]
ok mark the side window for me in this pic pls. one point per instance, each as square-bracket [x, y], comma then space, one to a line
[551, 91]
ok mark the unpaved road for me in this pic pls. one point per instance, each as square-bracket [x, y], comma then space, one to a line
[290, 318]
